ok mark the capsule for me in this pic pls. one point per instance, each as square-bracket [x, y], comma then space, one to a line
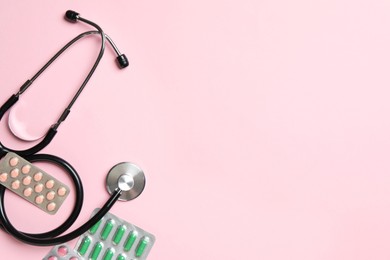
[96, 251]
[142, 246]
[119, 234]
[109, 254]
[107, 229]
[84, 245]
[95, 227]
[130, 241]
[121, 257]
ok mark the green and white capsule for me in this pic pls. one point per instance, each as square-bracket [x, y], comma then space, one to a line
[107, 229]
[84, 245]
[120, 231]
[142, 245]
[130, 240]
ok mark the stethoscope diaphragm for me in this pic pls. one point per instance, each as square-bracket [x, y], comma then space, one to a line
[128, 177]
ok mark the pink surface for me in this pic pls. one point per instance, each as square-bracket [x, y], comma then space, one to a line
[262, 126]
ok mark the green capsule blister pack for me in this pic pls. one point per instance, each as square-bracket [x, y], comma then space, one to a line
[114, 239]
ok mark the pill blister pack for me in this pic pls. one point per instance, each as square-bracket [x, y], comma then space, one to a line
[63, 252]
[114, 239]
[32, 183]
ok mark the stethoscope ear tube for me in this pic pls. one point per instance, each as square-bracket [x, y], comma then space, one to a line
[122, 62]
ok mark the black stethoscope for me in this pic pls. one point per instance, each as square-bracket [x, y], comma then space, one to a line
[125, 181]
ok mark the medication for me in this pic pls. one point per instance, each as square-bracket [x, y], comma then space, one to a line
[63, 252]
[32, 183]
[112, 238]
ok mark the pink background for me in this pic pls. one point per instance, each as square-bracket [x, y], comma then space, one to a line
[262, 126]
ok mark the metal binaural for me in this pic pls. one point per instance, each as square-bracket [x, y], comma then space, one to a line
[127, 177]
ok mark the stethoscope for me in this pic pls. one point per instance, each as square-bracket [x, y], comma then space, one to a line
[125, 181]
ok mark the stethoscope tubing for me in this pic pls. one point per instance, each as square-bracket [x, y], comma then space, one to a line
[53, 129]
[50, 238]
[53, 237]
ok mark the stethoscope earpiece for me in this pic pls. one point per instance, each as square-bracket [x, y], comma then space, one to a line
[127, 177]
[71, 16]
[122, 61]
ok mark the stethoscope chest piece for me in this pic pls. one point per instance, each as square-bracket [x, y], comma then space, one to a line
[128, 177]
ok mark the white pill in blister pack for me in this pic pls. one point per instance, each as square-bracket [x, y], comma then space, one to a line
[32, 183]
